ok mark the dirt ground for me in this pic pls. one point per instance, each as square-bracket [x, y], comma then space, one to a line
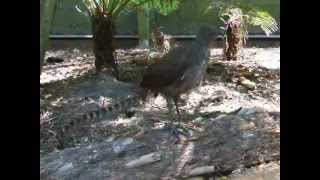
[250, 83]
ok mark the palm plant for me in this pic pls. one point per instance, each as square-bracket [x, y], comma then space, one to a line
[237, 16]
[103, 14]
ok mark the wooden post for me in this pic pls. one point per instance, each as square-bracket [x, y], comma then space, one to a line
[47, 10]
[144, 27]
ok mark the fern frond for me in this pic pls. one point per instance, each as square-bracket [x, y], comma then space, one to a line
[263, 19]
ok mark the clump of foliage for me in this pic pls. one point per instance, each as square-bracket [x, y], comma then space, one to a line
[237, 16]
[103, 14]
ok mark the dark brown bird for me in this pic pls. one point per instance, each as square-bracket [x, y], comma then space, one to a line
[180, 71]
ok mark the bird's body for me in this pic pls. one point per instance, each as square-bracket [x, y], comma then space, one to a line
[181, 70]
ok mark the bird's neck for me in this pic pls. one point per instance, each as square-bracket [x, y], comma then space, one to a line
[204, 43]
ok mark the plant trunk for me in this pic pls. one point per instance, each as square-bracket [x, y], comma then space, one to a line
[47, 9]
[103, 44]
[233, 43]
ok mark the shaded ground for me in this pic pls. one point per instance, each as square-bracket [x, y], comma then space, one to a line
[230, 142]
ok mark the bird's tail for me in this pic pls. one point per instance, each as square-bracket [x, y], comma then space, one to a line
[99, 114]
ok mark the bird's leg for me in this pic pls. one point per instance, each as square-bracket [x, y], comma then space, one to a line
[185, 131]
[170, 107]
[175, 100]
[171, 125]
[175, 129]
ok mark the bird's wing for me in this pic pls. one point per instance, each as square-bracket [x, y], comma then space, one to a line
[167, 71]
[159, 76]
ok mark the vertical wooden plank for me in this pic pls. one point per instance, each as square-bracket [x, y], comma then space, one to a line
[47, 9]
[144, 27]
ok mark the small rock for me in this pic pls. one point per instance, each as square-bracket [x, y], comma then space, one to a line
[120, 145]
[234, 80]
[198, 120]
[76, 50]
[85, 139]
[47, 96]
[65, 168]
[249, 111]
[79, 58]
[110, 139]
[247, 135]
[202, 170]
[247, 83]
[143, 160]
[247, 126]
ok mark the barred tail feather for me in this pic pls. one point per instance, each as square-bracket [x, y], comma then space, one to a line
[100, 113]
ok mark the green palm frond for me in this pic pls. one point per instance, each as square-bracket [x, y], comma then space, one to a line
[230, 9]
[115, 7]
[165, 7]
[263, 19]
[110, 7]
[119, 8]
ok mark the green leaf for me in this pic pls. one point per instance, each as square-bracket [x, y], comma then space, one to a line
[263, 19]
[115, 7]
[250, 14]
[121, 6]
[86, 13]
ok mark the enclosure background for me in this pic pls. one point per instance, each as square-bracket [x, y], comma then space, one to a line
[185, 21]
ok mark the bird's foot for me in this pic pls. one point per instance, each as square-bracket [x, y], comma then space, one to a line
[178, 130]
